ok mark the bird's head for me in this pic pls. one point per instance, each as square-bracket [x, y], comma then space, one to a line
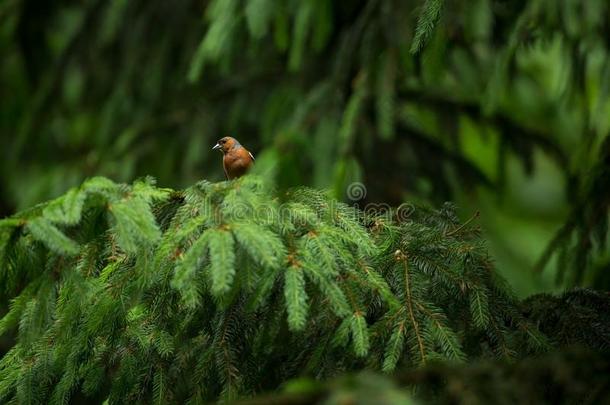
[226, 144]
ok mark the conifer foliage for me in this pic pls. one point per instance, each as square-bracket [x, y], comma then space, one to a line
[138, 293]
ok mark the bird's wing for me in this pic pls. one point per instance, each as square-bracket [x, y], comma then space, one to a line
[251, 155]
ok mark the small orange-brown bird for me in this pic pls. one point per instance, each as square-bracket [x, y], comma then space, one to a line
[236, 159]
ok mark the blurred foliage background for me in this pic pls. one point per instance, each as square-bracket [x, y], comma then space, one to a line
[500, 106]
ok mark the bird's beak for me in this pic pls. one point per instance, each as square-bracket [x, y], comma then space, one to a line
[217, 146]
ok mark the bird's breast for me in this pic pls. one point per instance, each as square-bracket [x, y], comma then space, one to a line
[236, 163]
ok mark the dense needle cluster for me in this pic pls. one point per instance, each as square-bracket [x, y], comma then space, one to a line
[227, 289]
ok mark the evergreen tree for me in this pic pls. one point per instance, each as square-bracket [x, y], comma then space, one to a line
[138, 293]
[118, 292]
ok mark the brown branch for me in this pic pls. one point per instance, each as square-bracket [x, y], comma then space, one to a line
[465, 224]
[400, 256]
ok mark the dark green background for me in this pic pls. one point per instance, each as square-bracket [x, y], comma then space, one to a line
[500, 106]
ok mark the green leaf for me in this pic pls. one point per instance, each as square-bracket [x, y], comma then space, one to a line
[67, 209]
[222, 259]
[352, 232]
[351, 115]
[341, 335]
[319, 248]
[301, 29]
[379, 284]
[479, 308]
[324, 24]
[258, 15]
[146, 190]
[8, 223]
[264, 246]
[99, 185]
[44, 231]
[394, 348]
[385, 95]
[217, 40]
[159, 387]
[184, 279]
[296, 297]
[428, 18]
[173, 238]
[360, 334]
[537, 340]
[16, 308]
[281, 34]
[448, 341]
[300, 215]
[263, 287]
[329, 288]
[11, 371]
[134, 224]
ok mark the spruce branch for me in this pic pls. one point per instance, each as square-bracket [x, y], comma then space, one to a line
[120, 291]
[402, 258]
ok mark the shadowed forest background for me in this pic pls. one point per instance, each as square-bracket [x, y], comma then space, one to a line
[502, 107]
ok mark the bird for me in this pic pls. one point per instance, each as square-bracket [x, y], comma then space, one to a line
[236, 160]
